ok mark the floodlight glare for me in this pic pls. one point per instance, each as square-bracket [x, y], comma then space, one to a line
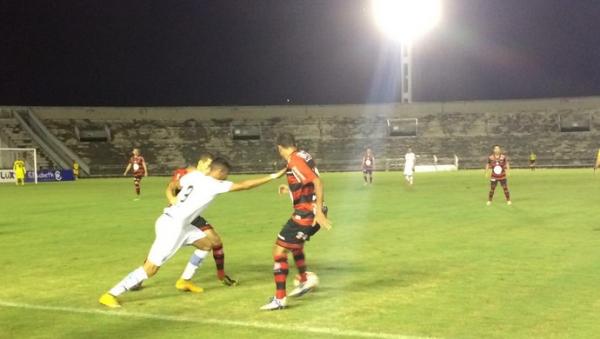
[406, 20]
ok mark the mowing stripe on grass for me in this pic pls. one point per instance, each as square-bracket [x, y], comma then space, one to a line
[250, 324]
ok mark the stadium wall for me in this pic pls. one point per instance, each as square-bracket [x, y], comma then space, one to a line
[563, 132]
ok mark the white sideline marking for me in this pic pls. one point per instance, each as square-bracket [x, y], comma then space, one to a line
[221, 322]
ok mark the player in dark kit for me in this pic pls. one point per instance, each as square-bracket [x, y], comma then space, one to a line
[306, 191]
[137, 163]
[368, 166]
[498, 163]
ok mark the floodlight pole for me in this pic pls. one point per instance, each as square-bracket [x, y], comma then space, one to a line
[406, 72]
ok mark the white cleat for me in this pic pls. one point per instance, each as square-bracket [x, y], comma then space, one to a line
[274, 304]
[509, 203]
[489, 203]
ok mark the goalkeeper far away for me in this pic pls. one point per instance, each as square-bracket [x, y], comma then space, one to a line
[19, 171]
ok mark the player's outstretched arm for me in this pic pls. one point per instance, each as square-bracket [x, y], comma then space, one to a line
[251, 183]
[320, 217]
[127, 169]
[145, 169]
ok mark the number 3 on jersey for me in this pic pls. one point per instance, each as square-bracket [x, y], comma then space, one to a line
[186, 194]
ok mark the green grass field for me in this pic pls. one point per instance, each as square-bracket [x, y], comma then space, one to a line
[426, 261]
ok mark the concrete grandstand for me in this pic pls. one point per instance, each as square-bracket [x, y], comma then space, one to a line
[563, 132]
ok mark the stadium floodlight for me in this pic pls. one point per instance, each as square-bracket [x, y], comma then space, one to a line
[404, 21]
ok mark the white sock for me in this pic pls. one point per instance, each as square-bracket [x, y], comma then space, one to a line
[195, 261]
[129, 281]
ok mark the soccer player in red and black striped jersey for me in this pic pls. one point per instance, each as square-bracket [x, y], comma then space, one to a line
[138, 164]
[499, 166]
[306, 190]
[368, 166]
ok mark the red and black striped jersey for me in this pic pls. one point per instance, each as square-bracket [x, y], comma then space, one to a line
[368, 162]
[137, 162]
[498, 165]
[301, 172]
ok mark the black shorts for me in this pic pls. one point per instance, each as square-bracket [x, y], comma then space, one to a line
[201, 223]
[292, 235]
[368, 171]
[501, 181]
[531, 162]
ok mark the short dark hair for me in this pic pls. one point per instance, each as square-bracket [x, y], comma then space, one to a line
[220, 163]
[286, 140]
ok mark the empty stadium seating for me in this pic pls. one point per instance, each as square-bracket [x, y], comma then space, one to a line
[335, 135]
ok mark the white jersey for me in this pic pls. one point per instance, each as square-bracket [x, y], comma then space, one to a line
[409, 160]
[197, 191]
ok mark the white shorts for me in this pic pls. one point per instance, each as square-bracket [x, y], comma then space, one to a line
[408, 172]
[171, 235]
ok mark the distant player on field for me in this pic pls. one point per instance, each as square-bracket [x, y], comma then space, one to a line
[532, 160]
[173, 228]
[306, 191]
[410, 160]
[597, 160]
[19, 172]
[499, 166]
[138, 164]
[212, 235]
[368, 166]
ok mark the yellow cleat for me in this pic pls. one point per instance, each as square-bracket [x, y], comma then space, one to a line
[109, 300]
[188, 286]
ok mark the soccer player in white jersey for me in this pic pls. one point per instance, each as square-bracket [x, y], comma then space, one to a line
[174, 230]
[410, 160]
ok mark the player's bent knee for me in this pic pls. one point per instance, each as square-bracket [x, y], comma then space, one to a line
[203, 244]
[279, 250]
[214, 238]
[216, 241]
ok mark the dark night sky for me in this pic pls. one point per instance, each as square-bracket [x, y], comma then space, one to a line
[256, 52]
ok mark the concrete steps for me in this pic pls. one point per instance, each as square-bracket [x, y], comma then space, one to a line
[18, 138]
